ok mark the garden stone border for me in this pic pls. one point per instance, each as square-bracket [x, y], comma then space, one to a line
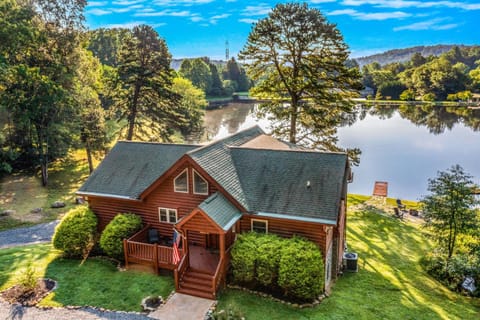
[315, 303]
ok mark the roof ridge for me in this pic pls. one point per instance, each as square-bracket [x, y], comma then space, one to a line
[226, 138]
[290, 150]
[159, 143]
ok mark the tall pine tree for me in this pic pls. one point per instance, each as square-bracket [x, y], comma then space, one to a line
[298, 60]
[145, 98]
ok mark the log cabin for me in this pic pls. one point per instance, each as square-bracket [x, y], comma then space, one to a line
[209, 193]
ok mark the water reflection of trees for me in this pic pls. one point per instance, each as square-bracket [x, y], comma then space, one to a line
[231, 117]
[436, 118]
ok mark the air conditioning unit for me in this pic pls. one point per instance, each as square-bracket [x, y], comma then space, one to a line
[350, 261]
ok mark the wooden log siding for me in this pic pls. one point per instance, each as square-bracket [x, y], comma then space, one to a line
[288, 228]
[339, 234]
[163, 196]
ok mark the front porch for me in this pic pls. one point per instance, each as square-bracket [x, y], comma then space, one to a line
[200, 271]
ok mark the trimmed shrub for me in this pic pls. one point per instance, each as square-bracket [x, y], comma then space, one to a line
[244, 254]
[301, 270]
[123, 226]
[76, 232]
[268, 258]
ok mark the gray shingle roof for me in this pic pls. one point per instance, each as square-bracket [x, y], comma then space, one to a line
[215, 159]
[305, 185]
[220, 210]
[131, 167]
[294, 183]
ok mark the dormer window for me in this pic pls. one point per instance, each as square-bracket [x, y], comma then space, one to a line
[181, 182]
[200, 185]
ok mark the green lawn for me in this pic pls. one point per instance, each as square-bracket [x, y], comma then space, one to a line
[95, 283]
[390, 283]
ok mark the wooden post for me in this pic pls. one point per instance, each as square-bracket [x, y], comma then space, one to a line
[155, 257]
[222, 246]
[125, 252]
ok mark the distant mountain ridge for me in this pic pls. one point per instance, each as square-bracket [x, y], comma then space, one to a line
[402, 55]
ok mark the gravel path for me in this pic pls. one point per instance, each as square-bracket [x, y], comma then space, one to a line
[14, 312]
[23, 236]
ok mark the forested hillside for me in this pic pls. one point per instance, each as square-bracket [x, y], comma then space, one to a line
[403, 55]
[454, 75]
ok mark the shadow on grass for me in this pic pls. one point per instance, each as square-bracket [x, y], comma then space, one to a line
[14, 260]
[390, 283]
[98, 283]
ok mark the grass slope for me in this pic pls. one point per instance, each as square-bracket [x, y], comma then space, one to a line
[95, 283]
[390, 283]
[23, 192]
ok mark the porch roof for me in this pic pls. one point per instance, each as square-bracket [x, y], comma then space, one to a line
[220, 210]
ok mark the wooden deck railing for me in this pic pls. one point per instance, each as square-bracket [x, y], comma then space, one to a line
[221, 271]
[182, 266]
[138, 251]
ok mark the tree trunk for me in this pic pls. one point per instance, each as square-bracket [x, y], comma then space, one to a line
[133, 113]
[293, 121]
[44, 168]
[89, 158]
[42, 149]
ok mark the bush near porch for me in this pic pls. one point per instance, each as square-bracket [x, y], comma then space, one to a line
[270, 263]
[123, 226]
[75, 234]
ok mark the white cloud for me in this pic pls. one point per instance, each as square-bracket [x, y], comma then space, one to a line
[127, 9]
[126, 25]
[214, 19]
[247, 20]
[261, 9]
[127, 2]
[163, 13]
[413, 4]
[196, 18]
[181, 2]
[377, 16]
[98, 12]
[97, 3]
[321, 1]
[434, 24]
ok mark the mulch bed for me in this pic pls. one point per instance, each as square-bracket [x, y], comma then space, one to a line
[19, 294]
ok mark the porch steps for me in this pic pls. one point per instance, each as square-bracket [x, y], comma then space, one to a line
[197, 283]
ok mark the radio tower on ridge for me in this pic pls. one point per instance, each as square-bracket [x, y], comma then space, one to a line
[227, 51]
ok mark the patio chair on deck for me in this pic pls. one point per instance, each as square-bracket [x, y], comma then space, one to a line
[153, 236]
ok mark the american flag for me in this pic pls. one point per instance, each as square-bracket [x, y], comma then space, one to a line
[175, 252]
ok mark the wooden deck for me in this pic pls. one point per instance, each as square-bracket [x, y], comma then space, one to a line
[137, 250]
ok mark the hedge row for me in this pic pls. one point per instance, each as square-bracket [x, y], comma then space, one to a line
[294, 265]
[76, 234]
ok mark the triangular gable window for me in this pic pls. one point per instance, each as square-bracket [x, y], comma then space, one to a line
[200, 185]
[181, 182]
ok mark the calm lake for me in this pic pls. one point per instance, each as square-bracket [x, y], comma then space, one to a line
[404, 146]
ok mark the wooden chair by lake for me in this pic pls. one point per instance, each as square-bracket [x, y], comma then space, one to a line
[380, 190]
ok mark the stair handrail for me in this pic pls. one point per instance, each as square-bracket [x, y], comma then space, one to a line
[179, 270]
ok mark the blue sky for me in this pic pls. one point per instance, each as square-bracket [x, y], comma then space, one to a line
[194, 28]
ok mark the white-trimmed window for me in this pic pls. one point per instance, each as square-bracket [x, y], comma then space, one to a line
[200, 185]
[167, 215]
[180, 183]
[260, 226]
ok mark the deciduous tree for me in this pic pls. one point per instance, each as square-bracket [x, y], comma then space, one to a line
[449, 209]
